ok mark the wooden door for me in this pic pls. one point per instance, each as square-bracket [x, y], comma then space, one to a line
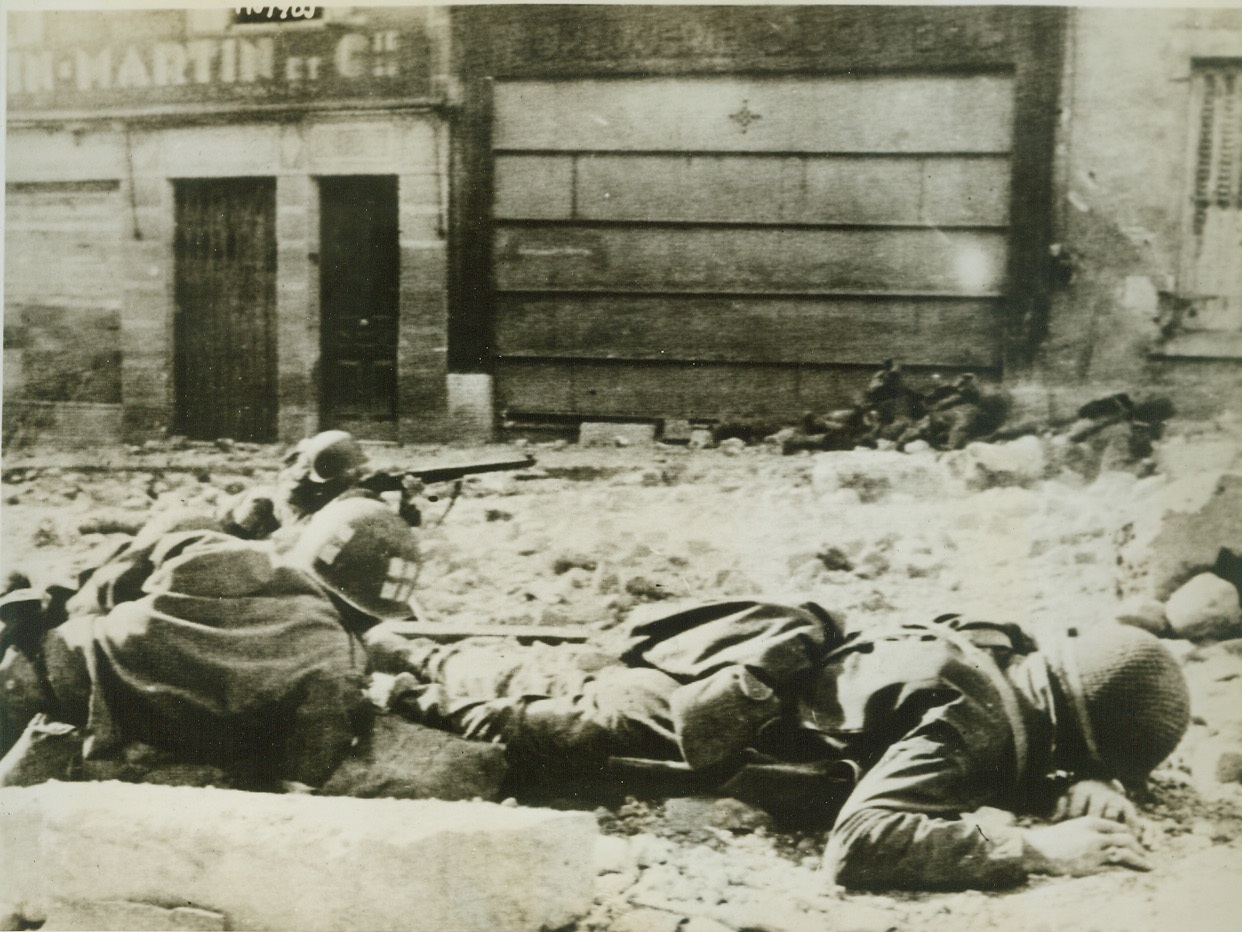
[225, 328]
[359, 264]
[691, 246]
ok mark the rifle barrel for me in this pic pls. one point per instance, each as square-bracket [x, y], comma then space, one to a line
[431, 474]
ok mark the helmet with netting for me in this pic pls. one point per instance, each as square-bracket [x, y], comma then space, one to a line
[1128, 695]
[364, 553]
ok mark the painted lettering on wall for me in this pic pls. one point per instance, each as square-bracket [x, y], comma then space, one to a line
[234, 69]
[200, 61]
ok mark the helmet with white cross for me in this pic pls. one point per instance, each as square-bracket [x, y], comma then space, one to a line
[364, 553]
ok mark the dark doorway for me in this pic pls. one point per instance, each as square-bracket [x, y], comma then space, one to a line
[224, 366]
[359, 268]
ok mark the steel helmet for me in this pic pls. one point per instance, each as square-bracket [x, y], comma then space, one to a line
[1128, 695]
[364, 553]
[332, 455]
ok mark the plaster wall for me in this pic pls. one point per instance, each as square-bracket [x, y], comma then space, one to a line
[1124, 165]
[146, 160]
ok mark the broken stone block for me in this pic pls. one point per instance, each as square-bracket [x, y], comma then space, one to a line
[267, 861]
[402, 760]
[1206, 608]
[1179, 534]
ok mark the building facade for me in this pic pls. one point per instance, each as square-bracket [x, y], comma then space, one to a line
[221, 226]
[417, 223]
[1147, 292]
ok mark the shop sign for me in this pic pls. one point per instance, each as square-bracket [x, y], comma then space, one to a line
[307, 63]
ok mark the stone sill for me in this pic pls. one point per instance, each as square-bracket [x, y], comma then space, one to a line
[1205, 344]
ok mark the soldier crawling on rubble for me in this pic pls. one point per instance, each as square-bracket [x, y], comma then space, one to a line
[231, 655]
[949, 728]
[319, 470]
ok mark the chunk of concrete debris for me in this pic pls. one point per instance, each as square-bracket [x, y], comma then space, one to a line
[298, 861]
[1180, 533]
[605, 434]
[1229, 767]
[1205, 608]
[403, 760]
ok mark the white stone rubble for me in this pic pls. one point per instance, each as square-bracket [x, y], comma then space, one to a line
[296, 862]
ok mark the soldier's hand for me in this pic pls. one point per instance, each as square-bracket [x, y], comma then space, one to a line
[1099, 799]
[1080, 846]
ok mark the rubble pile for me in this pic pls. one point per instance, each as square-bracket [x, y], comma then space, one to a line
[968, 417]
[1040, 528]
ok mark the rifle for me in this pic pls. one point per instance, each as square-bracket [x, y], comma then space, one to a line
[408, 482]
[395, 479]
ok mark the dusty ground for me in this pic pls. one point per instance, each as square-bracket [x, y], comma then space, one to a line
[589, 533]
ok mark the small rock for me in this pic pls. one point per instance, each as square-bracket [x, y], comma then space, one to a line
[402, 760]
[568, 561]
[1229, 767]
[643, 588]
[700, 439]
[1205, 608]
[1148, 614]
[695, 813]
[918, 446]
[13, 918]
[649, 850]
[733, 446]
[834, 558]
